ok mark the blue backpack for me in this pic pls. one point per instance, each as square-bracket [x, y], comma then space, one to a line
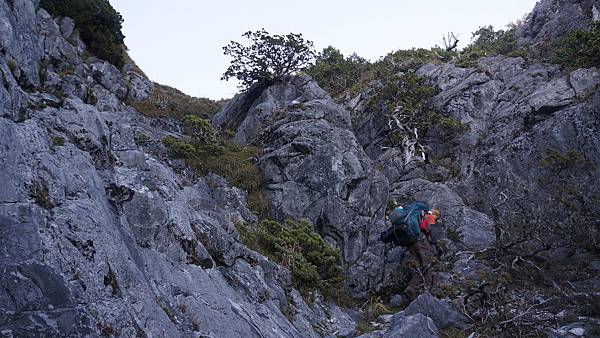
[405, 220]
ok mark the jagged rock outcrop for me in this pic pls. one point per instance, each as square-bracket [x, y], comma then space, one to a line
[103, 234]
[314, 168]
[100, 235]
[551, 19]
[516, 112]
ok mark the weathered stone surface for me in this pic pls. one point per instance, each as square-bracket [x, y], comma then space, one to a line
[417, 326]
[552, 96]
[67, 25]
[553, 18]
[443, 314]
[250, 113]
[584, 81]
[513, 119]
[100, 236]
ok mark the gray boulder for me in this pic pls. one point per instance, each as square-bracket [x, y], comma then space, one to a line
[584, 81]
[443, 314]
[413, 326]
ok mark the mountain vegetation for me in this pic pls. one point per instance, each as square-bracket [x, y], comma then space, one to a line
[165, 101]
[99, 25]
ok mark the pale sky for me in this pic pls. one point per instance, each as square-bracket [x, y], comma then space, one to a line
[179, 42]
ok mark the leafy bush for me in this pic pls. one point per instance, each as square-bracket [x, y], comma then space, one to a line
[442, 126]
[488, 42]
[165, 101]
[297, 246]
[98, 23]
[407, 92]
[207, 151]
[408, 59]
[579, 48]
[336, 73]
[199, 128]
[269, 58]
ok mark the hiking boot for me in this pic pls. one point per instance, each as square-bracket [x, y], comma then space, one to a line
[410, 294]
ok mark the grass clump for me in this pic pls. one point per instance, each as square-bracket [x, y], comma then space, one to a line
[579, 48]
[57, 141]
[165, 101]
[99, 25]
[208, 151]
[314, 265]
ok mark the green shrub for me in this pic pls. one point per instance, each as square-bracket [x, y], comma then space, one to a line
[454, 234]
[579, 48]
[403, 97]
[559, 161]
[314, 265]
[57, 141]
[179, 148]
[98, 23]
[165, 101]
[336, 73]
[198, 128]
[236, 165]
[404, 60]
[444, 127]
[488, 42]
[405, 91]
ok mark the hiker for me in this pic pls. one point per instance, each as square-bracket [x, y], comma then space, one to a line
[424, 255]
[411, 228]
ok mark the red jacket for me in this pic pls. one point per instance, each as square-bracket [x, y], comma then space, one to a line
[426, 222]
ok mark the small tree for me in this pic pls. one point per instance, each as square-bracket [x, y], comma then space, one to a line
[269, 58]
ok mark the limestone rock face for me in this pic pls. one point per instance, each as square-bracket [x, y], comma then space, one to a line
[100, 234]
[104, 234]
[553, 18]
[514, 118]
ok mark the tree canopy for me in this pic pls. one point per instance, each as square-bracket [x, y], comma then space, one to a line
[268, 58]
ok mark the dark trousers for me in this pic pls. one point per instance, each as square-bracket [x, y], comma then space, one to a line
[423, 260]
